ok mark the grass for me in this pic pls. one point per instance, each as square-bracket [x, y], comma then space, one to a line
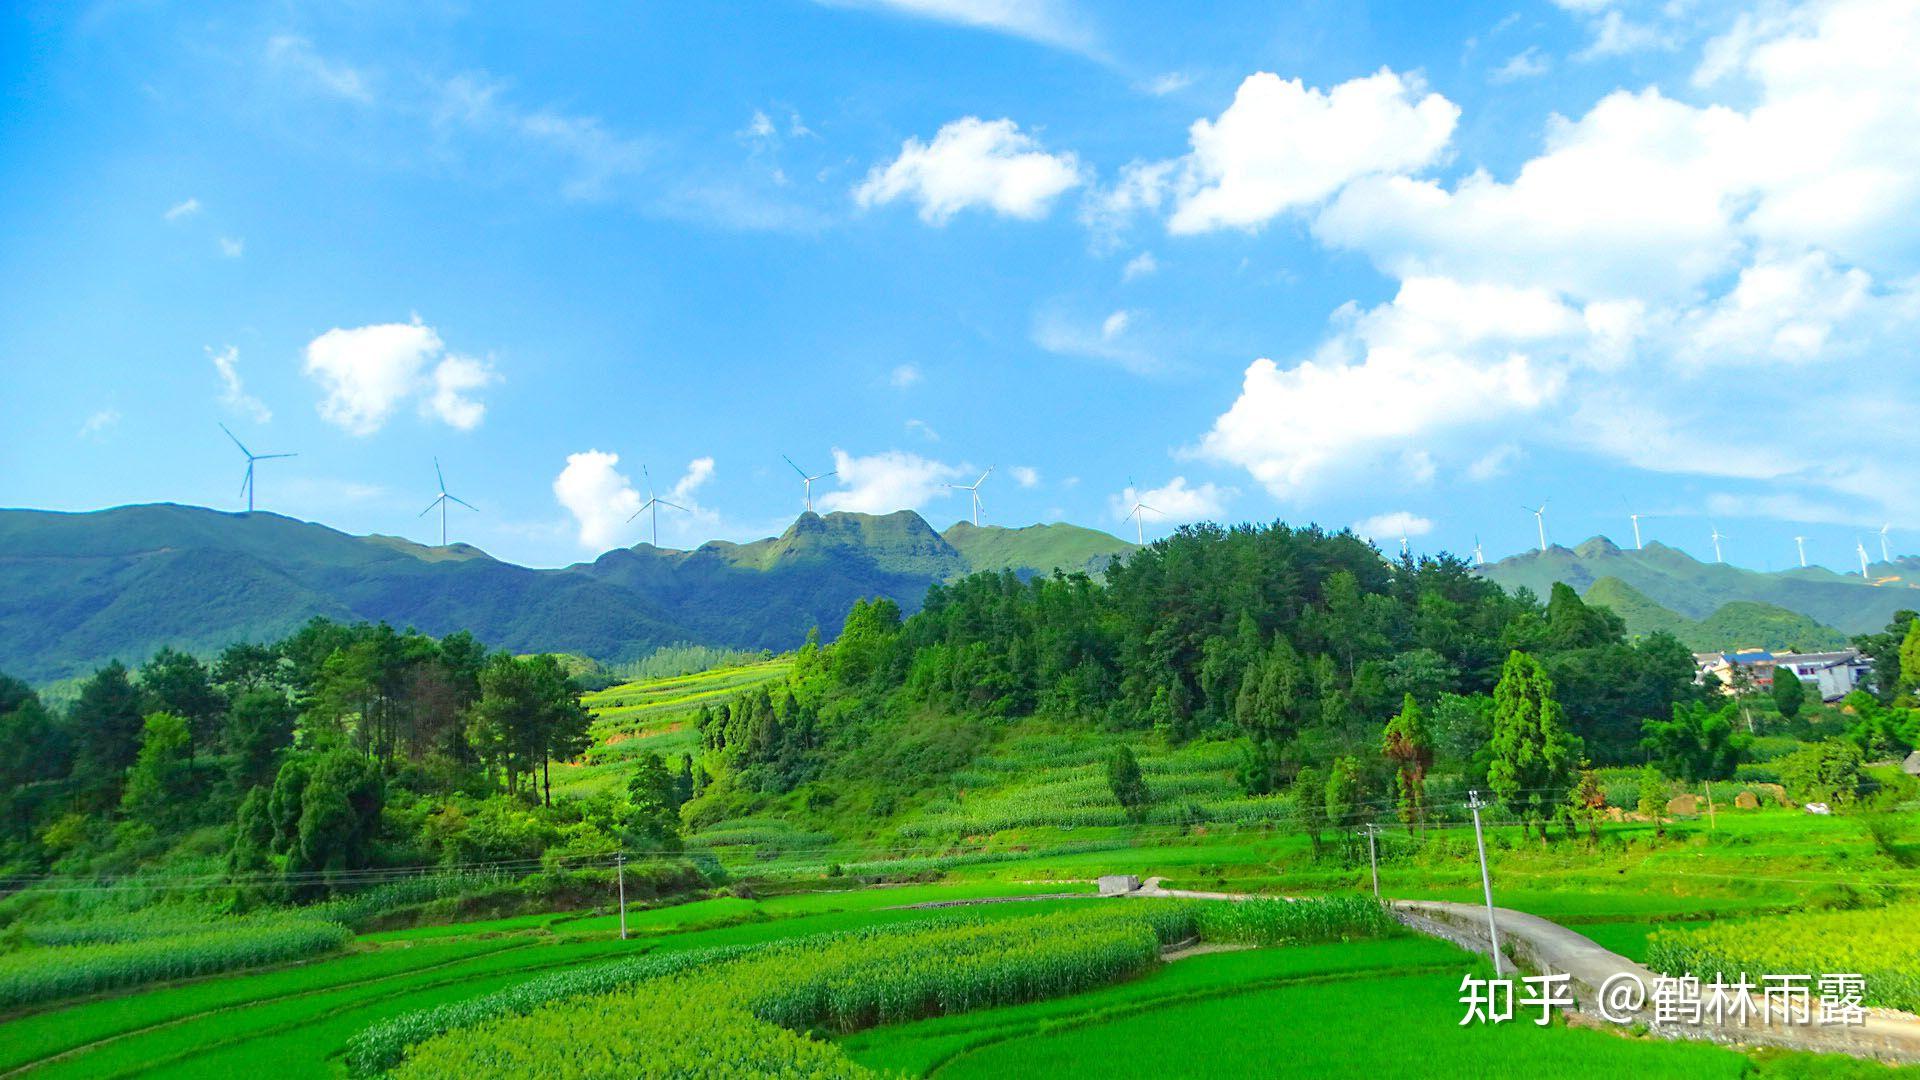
[1334, 1028]
[652, 715]
[1882, 945]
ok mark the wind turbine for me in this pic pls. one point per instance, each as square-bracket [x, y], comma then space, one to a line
[1479, 556]
[1637, 546]
[1139, 518]
[1801, 543]
[808, 480]
[1886, 555]
[247, 484]
[974, 490]
[1540, 519]
[1405, 549]
[1717, 537]
[655, 502]
[1861, 545]
[442, 500]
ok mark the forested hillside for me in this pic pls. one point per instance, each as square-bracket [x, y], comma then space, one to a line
[77, 590]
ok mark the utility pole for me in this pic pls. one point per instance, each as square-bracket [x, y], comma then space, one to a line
[1710, 823]
[620, 873]
[1373, 860]
[1486, 882]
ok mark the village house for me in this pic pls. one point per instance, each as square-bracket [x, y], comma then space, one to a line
[1833, 675]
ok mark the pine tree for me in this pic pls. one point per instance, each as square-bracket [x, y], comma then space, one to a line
[1128, 786]
[1409, 747]
[1533, 753]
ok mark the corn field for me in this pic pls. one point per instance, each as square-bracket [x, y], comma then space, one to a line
[36, 976]
[1881, 944]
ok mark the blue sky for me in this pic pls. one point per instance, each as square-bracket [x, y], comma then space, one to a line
[1405, 265]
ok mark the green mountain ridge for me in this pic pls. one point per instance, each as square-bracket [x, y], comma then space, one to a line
[1686, 588]
[79, 589]
[1739, 624]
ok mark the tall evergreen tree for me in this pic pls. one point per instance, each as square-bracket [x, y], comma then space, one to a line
[1409, 747]
[106, 722]
[1533, 753]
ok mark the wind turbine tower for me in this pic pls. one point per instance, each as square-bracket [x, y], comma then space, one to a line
[808, 480]
[655, 502]
[1479, 555]
[247, 484]
[1886, 553]
[973, 489]
[1540, 519]
[442, 500]
[1864, 576]
[1717, 537]
[1801, 543]
[1405, 549]
[1637, 546]
[1138, 514]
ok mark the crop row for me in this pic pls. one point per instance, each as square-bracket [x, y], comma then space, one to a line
[41, 975]
[743, 1016]
[1883, 945]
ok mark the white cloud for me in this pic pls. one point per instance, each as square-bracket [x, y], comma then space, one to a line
[232, 246]
[598, 495]
[454, 380]
[1110, 339]
[885, 482]
[1283, 146]
[368, 371]
[598, 155]
[1616, 35]
[924, 430]
[1528, 63]
[233, 392]
[183, 209]
[973, 163]
[1049, 22]
[1170, 82]
[297, 55]
[1025, 475]
[1493, 463]
[99, 422]
[1173, 501]
[904, 376]
[1388, 528]
[1439, 356]
[1417, 467]
[699, 471]
[1140, 266]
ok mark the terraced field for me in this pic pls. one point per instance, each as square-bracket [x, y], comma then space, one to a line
[653, 715]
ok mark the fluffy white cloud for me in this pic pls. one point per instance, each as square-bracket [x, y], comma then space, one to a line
[233, 392]
[885, 482]
[1438, 356]
[598, 495]
[1389, 528]
[1282, 145]
[182, 209]
[1780, 311]
[1025, 475]
[1528, 63]
[454, 381]
[369, 371]
[973, 163]
[1174, 501]
[1493, 463]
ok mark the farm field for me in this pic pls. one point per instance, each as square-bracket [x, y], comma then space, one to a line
[652, 715]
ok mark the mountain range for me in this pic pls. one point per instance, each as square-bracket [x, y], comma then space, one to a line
[1716, 606]
[79, 589]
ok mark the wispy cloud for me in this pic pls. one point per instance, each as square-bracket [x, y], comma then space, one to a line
[1047, 22]
[99, 423]
[233, 392]
[232, 246]
[296, 55]
[182, 209]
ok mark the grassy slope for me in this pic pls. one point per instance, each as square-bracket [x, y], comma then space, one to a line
[652, 715]
[1042, 548]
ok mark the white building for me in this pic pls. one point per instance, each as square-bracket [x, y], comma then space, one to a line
[1833, 675]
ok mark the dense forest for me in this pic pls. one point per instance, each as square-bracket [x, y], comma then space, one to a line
[287, 770]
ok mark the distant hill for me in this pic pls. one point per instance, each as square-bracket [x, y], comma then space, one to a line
[1697, 592]
[1740, 624]
[77, 590]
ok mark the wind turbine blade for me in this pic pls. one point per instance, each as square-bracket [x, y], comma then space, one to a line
[983, 476]
[430, 507]
[236, 440]
[270, 457]
[642, 510]
[1144, 506]
[824, 475]
[248, 479]
[676, 506]
[796, 468]
[461, 501]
